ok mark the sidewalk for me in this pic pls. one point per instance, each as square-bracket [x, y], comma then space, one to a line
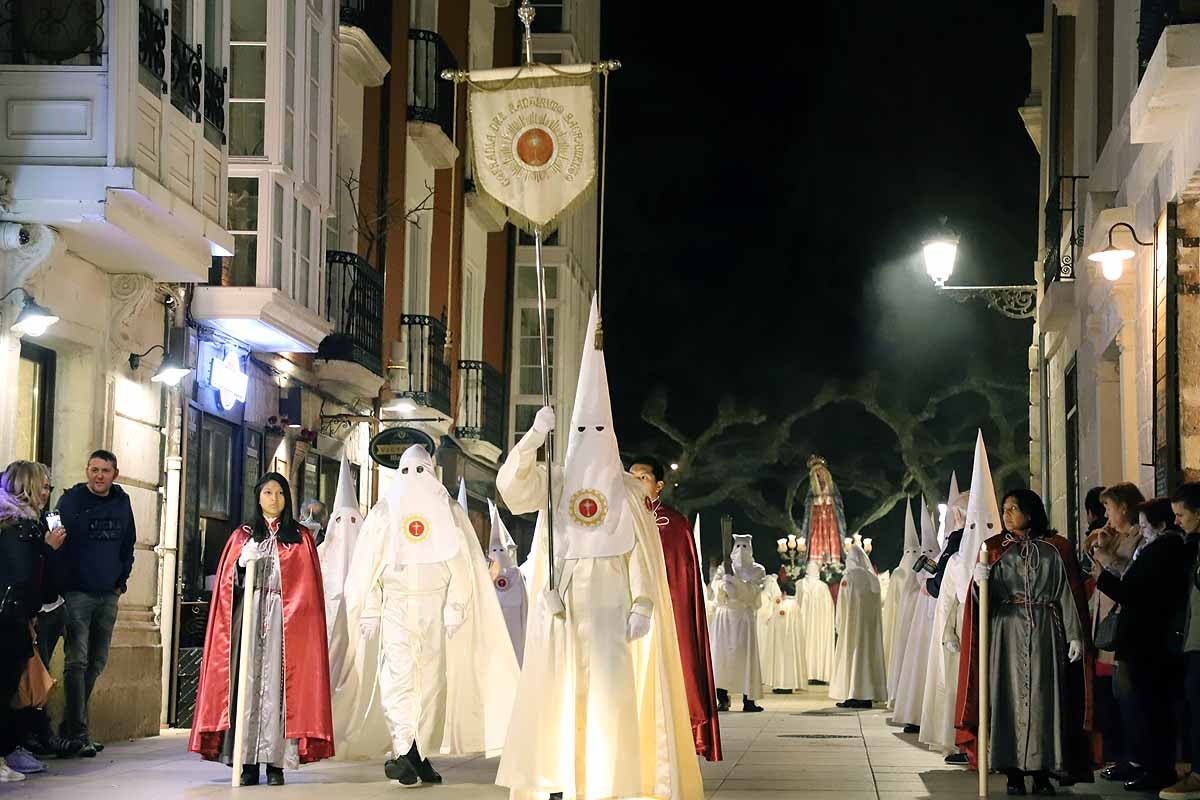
[800, 747]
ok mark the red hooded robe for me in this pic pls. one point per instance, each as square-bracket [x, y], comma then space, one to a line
[691, 626]
[308, 717]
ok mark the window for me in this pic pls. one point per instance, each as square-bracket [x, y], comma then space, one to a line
[251, 470]
[550, 16]
[243, 224]
[1071, 433]
[527, 377]
[35, 404]
[472, 300]
[277, 252]
[312, 113]
[416, 278]
[422, 14]
[215, 468]
[303, 256]
[289, 87]
[247, 78]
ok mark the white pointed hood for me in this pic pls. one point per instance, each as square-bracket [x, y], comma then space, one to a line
[929, 538]
[462, 494]
[341, 534]
[423, 526]
[860, 571]
[590, 520]
[741, 555]
[912, 542]
[501, 547]
[956, 506]
[982, 518]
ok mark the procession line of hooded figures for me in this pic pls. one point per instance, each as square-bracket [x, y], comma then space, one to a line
[590, 674]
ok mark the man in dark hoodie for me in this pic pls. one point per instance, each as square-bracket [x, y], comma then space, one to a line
[93, 567]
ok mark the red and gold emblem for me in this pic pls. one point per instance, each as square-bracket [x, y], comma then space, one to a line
[502, 583]
[589, 507]
[416, 528]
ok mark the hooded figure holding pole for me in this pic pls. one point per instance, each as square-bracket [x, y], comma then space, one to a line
[602, 676]
[910, 682]
[421, 602]
[737, 660]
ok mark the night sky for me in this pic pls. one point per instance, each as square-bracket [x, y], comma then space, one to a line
[771, 177]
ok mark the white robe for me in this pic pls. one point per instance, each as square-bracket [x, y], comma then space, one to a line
[858, 671]
[910, 684]
[513, 596]
[736, 658]
[603, 717]
[767, 612]
[889, 615]
[785, 660]
[941, 685]
[903, 590]
[816, 608]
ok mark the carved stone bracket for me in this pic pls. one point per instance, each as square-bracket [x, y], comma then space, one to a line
[131, 293]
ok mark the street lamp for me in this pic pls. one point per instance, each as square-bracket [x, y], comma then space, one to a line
[940, 250]
[1112, 259]
[34, 319]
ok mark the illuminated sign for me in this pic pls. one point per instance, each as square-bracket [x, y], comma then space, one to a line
[227, 378]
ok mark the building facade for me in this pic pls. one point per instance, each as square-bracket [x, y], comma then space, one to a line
[1113, 111]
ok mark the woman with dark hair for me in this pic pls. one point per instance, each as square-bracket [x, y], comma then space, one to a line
[288, 719]
[1040, 709]
[1151, 592]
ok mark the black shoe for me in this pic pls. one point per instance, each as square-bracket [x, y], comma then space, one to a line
[845, 704]
[912, 729]
[426, 772]
[401, 769]
[1042, 787]
[864, 703]
[1150, 783]
[249, 775]
[749, 706]
[781, 691]
[1121, 772]
[274, 776]
[99, 748]
[1016, 789]
[86, 749]
[958, 758]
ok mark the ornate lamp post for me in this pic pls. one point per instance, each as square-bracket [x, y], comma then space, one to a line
[940, 250]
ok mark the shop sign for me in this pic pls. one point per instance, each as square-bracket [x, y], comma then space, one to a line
[227, 377]
[390, 443]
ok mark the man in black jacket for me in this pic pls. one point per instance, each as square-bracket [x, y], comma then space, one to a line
[93, 567]
[1186, 505]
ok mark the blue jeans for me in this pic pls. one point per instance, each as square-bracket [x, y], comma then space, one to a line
[89, 626]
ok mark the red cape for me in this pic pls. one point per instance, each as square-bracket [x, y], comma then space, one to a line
[967, 702]
[691, 625]
[305, 655]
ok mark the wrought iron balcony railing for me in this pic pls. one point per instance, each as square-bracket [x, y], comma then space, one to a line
[214, 99]
[430, 99]
[187, 73]
[372, 16]
[59, 33]
[481, 387]
[1062, 206]
[427, 381]
[152, 43]
[354, 298]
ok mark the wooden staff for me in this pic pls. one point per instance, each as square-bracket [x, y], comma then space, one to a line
[239, 729]
[727, 543]
[981, 739]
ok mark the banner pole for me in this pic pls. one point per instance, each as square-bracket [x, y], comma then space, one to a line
[239, 730]
[981, 738]
[543, 344]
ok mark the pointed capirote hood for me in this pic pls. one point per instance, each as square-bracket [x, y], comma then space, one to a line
[982, 518]
[860, 571]
[929, 537]
[423, 526]
[912, 542]
[345, 498]
[591, 520]
[462, 494]
[501, 547]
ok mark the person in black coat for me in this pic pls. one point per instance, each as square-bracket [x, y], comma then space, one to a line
[24, 545]
[1150, 594]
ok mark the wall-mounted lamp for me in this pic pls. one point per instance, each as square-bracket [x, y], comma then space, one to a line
[34, 319]
[1112, 259]
[170, 372]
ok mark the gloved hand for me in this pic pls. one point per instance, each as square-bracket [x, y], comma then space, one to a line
[368, 627]
[544, 420]
[638, 624]
[980, 574]
[554, 603]
[729, 582]
[453, 617]
[951, 642]
[1074, 651]
[249, 553]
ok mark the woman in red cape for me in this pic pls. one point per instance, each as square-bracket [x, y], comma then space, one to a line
[1076, 708]
[288, 720]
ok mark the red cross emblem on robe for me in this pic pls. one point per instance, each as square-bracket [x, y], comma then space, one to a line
[416, 528]
[502, 583]
[589, 507]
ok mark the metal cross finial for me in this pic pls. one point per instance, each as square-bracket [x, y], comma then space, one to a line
[526, 13]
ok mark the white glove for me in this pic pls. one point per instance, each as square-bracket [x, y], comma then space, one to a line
[729, 582]
[638, 624]
[249, 553]
[543, 421]
[1074, 651]
[368, 627]
[980, 574]
[554, 603]
[453, 617]
[951, 642]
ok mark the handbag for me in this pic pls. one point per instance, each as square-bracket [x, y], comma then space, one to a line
[1106, 631]
[35, 684]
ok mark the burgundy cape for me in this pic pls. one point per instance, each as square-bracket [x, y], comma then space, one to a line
[1079, 716]
[308, 717]
[691, 626]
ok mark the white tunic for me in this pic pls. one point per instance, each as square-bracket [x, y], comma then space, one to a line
[514, 604]
[903, 590]
[816, 608]
[941, 685]
[737, 666]
[910, 685]
[858, 671]
[785, 660]
[767, 612]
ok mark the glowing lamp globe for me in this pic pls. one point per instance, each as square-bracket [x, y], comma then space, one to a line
[939, 258]
[1112, 261]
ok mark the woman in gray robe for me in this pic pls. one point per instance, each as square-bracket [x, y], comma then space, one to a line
[1036, 637]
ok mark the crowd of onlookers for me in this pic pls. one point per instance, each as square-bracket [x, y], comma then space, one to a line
[62, 570]
[1145, 622]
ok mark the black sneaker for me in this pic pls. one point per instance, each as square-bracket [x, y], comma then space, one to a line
[274, 776]
[249, 775]
[912, 729]
[426, 772]
[749, 706]
[957, 758]
[401, 769]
